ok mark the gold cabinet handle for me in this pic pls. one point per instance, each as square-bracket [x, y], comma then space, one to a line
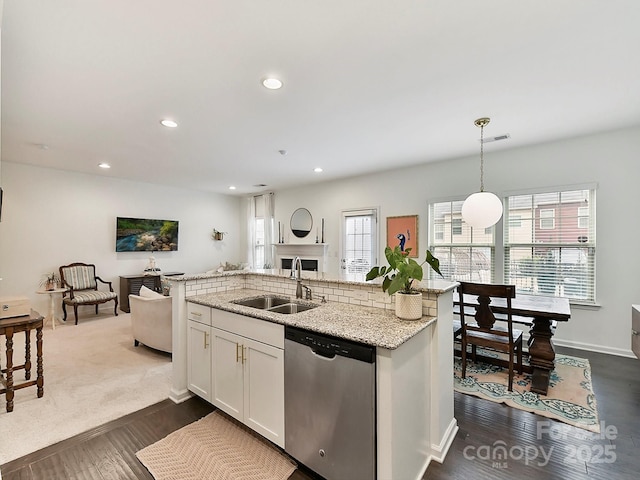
[238, 352]
[206, 345]
[244, 357]
[195, 314]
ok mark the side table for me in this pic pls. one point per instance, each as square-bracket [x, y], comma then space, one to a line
[8, 327]
[52, 305]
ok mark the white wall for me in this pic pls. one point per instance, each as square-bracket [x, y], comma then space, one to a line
[52, 218]
[610, 159]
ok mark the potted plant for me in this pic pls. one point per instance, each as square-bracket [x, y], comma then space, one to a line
[50, 281]
[218, 235]
[399, 277]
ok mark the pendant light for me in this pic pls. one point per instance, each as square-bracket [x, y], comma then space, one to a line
[482, 209]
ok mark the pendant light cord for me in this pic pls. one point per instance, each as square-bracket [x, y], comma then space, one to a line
[481, 122]
[482, 158]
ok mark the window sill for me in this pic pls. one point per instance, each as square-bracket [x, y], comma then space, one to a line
[584, 306]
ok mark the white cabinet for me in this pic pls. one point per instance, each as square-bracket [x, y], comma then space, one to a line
[199, 350]
[248, 372]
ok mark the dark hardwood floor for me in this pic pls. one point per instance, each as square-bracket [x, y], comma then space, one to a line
[108, 452]
[570, 453]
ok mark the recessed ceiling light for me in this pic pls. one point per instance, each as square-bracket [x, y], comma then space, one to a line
[232, 187]
[168, 123]
[317, 170]
[272, 83]
[104, 165]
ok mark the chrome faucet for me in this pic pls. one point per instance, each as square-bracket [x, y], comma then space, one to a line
[297, 268]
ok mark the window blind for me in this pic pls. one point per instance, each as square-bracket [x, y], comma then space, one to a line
[550, 243]
[465, 253]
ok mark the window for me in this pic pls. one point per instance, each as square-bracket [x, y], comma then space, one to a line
[583, 217]
[260, 231]
[456, 226]
[547, 219]
[464, 252]
[359, 242]
[551, 249]
[259, 242]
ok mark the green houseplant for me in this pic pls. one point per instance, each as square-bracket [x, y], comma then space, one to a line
[398, 277]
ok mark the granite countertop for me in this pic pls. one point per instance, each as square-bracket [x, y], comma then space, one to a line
[432, 286]
[368, 325]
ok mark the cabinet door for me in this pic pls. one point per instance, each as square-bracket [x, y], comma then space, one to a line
[199, 359]
[227, 365]
[264, 390]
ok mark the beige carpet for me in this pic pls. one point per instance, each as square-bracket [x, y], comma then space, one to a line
[215, 447]
[92, 374]
[570, 398]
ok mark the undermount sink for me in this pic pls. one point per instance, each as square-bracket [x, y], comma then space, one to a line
[275, 304]
[263, 303]
[292, 308]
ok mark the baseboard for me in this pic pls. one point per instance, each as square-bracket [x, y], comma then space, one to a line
[439, 451]
[620, 352]
[179, 396]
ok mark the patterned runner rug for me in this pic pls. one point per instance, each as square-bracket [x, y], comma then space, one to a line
[215, 447]
[570, 398]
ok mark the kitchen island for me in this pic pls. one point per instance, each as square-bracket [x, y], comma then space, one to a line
[414, 359]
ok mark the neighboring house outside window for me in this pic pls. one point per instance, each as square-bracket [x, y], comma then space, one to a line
[547, 244]
[465, 253]
[552, 250]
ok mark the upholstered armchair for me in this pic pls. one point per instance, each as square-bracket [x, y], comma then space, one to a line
[151, 322]
[82, 283]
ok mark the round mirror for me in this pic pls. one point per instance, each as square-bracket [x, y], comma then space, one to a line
[301, 222]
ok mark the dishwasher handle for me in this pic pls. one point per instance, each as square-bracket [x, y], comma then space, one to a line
[321, 352]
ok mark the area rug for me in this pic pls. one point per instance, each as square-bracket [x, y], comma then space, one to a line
[215, 447]
[92, 374]
[570, 398]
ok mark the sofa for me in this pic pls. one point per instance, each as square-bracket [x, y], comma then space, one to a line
[151, 322]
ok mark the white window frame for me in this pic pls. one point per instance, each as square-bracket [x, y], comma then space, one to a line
[471, 252]
[577, 283]
[374, 213]
[585, 241]
[547, 218]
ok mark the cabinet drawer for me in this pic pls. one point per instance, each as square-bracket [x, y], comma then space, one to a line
[199, 313]
[254, 328]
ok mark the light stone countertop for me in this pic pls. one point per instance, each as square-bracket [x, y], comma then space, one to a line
[368, 325]
[433, 286]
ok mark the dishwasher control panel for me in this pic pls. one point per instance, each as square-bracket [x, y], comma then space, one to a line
[330, 346]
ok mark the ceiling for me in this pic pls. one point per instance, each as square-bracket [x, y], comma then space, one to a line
[369, 85]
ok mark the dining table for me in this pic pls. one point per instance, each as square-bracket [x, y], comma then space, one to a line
[541, 312]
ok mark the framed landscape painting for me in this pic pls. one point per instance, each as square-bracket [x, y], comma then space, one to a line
[403, 232]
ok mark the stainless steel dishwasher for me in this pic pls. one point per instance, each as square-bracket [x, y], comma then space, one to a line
[330, 407]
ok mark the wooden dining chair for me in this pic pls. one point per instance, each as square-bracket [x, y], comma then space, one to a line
[481, 330]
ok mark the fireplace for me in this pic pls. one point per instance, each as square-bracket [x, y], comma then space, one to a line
[307, 264]
[313, 255]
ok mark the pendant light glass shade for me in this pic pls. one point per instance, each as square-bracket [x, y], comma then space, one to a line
[482, 209]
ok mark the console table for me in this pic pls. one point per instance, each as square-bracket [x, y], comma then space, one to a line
[9, 327]
[131, 284]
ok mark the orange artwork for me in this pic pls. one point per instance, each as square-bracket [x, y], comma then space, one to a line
[403, 232]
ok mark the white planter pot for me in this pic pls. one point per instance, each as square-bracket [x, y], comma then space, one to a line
[409, 306]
